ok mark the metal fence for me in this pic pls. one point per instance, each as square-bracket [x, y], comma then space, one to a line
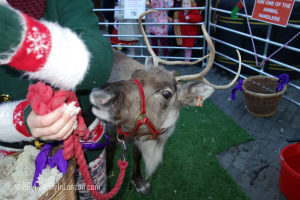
[262, 52]
[143, 53]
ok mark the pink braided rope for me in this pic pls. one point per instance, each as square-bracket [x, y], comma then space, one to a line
[43, 100]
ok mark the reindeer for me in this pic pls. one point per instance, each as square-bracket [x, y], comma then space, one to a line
[144, 105]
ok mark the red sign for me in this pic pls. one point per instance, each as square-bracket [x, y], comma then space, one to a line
[273, 11]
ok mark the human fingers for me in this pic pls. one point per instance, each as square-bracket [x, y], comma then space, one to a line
[41, 126]
[57, 127]
[37, 121]
[63, 133]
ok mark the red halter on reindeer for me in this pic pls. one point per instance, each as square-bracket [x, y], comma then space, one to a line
[165, 93]
[117, 104]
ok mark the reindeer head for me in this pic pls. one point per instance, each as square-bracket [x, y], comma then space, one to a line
[165, 93]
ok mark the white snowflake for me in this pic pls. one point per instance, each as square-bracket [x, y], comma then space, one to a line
[17, 115]
[37, 43]
[17, 120]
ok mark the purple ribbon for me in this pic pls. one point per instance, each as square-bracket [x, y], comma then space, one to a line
[94, 145]
[57, 160]
[43, 159]
[238, 87]
[283, 80]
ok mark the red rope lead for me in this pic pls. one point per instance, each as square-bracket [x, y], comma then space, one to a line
[43, 100]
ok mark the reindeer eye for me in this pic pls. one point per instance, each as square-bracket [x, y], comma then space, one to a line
[166, 94]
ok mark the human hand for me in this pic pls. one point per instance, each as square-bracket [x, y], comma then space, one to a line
[176, 20]
[148, 3]
[55, 125]
[187, 17]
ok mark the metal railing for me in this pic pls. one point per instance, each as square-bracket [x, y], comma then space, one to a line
[141, 45]
[214, 27]
[294, 85]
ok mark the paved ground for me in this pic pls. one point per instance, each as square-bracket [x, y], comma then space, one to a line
[255, 166]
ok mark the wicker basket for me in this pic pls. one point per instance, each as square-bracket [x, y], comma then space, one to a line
[260, 94]
[65, 187]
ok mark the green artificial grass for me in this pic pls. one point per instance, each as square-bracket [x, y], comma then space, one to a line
[190, 169]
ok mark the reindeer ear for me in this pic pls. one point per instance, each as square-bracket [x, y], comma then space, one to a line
[100, 97]
[149, 63]
[189, 93]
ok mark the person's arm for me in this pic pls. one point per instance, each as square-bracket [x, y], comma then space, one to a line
[78, 49]
[194, 17]
[60, 52]
[79, 17]
[39, 51]
[29, 47]
[53, 126]
[12, 127]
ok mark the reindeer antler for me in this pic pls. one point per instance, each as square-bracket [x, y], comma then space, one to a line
[199, 76]
[156, 59]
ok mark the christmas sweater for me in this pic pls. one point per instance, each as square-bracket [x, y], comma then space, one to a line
[64, 49]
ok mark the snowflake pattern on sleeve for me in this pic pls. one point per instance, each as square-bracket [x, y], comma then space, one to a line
[18, 120]
[35, 48]
[38, 43]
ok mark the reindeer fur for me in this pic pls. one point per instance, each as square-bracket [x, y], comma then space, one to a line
[119, 102]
